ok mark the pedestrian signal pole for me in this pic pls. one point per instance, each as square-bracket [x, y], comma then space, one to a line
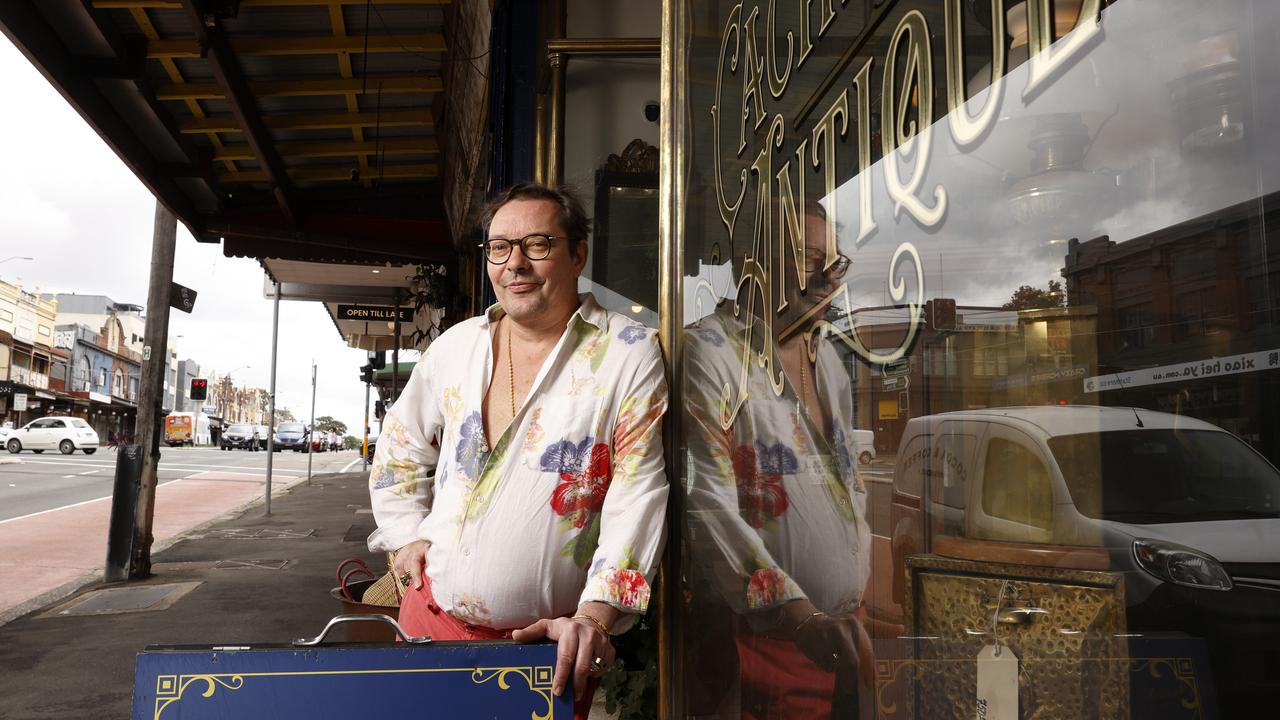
[365, 444]
[311, 428]
[271, 422]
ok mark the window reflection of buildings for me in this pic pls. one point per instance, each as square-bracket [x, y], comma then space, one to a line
[1188, 293]
[993, 358]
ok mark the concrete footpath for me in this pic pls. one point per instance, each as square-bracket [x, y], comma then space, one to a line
[254, 579]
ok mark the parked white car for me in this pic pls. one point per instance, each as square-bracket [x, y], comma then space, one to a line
[63, 433]
[865, 440]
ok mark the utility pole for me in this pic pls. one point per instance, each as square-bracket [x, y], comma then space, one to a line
[154, 364]
[271, 422]
[395, 353]
[365, 445]
[311, 428]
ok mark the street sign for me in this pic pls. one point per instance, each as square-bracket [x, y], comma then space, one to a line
[19, 402]
[374, 313]
[181, 298]
[901, 382]
[901, 366]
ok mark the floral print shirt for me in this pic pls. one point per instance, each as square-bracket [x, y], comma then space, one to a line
[567, 506]
[776, 509]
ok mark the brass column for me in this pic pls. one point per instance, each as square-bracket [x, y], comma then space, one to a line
[555, 140]
[671, 611]
[549, 150]
[553, 23]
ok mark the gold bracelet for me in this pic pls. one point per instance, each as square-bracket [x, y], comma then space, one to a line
[594, 621]
[805, 621]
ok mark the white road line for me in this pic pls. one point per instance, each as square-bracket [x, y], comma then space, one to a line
[352, 464]
[64, 477]
[65, 507]
[88, 473]
[163, 466]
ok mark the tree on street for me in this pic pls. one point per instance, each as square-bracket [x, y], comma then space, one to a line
[325, 423]
[1032, 298]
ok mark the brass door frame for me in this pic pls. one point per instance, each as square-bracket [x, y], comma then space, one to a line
[548, 161]
[671, 190]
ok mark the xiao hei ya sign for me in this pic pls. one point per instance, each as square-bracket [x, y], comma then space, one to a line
[772, 158]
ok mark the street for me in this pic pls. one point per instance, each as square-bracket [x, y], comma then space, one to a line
[39, 483]
[54, 509]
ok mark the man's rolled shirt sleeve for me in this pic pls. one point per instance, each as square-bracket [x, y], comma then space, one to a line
[400, 481]
[633, 517]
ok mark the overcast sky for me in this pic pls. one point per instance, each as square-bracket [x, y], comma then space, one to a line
[67, 201]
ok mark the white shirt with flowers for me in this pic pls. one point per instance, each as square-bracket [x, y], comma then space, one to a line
[569, 504]
[777, 510]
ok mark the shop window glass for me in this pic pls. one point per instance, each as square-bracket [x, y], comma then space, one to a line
[1137, 327]
[1197, 314]
[1016, 485]
[1102, 218]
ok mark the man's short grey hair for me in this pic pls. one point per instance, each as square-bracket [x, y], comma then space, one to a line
[573, 218]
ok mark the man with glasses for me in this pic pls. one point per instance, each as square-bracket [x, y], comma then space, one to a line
[779, 542]
[520, 477]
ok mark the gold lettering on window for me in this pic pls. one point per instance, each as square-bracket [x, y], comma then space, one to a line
[862, 97]
[1046, 61]
[825, 135]
[728, 211]
[752, 96]
[778, 83]
[907, 132]
[966, 129]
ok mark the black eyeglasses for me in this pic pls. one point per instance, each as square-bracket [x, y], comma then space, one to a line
[814, 261]
[534, 247]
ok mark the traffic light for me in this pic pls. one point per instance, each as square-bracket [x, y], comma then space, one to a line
[378, 360]
[366, 373]
[940, 313]
[379, 409]
[199, 389]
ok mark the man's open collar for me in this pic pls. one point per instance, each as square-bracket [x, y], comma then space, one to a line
[588, 309]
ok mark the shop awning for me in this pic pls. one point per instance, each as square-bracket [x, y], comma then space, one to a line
[404, 369]
[282, 129]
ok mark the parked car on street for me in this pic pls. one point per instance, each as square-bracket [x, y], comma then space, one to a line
[866, 443]
[242, 435]
[291, 436]
[318, 443]
[1185, 513]
[63, 433]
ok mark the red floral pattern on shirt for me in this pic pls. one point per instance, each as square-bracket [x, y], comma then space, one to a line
[584, 479]
[761, 496]
[769, 586]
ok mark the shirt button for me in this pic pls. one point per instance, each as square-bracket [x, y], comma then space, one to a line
[466, 553]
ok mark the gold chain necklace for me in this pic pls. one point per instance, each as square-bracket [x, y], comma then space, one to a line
[511, 372]
[804, 378]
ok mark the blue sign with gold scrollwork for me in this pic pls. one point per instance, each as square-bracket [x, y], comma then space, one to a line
[441, 680]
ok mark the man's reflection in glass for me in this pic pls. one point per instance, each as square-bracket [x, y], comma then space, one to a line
[776, 514]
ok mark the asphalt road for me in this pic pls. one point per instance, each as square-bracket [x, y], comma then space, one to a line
[31, 483]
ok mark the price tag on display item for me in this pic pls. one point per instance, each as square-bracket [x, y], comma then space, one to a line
[997, 684]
